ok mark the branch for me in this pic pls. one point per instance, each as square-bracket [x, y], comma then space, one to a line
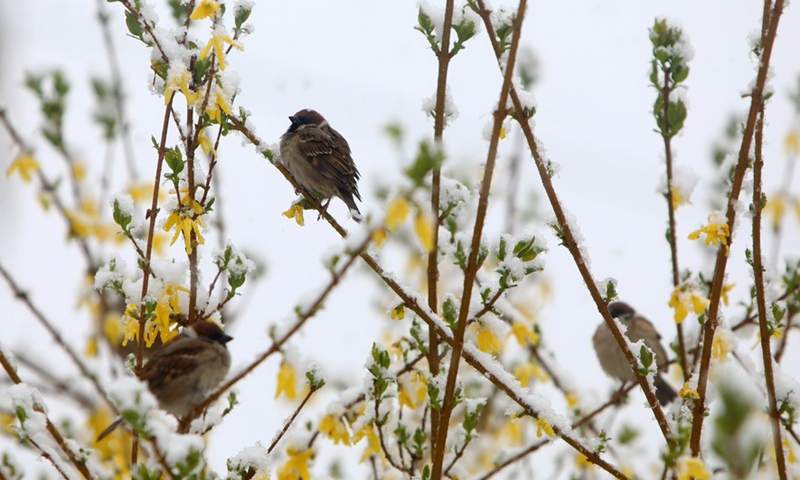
[672, 238]
[710, 326]
[291, 419]
[758, 275]
[443, 55]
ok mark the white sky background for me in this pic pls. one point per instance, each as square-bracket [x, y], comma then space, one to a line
[361, 64]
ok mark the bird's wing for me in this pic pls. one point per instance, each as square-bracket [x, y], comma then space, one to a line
[329, 154]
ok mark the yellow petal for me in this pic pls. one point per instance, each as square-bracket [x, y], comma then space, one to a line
[397, 212]
[424, 231]
[488, 341]
[205, 9]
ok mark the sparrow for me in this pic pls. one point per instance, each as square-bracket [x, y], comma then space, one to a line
[318, 157]
[613, 360]
[184, 371]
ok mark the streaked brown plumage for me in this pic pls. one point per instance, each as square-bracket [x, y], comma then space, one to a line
[319, 159]
[613, 360]
[185, 370]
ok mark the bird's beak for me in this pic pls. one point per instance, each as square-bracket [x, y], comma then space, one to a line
[225, 339]
[292, 119]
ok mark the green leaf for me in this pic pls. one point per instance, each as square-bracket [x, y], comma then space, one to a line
[240, 16]
[646, 357]
[179, 10]
[122, 218]
[134, 27]
[174, 159]
[428, 158]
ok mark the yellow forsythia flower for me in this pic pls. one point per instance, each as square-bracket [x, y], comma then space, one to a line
[424, 231]
[721, 347]
[205, 143]
[524, 372]
[582, 462]
[544, 425]
[572, 400]
[296, 212]
[513, 431]
[91, 347]
[379, 237]
[685, 299]
[487, 340]
[524, 334]
[688, 392]
[205, 9]
[677, 198]
[373, 444]
[398, 312]
[692, 467]
[334, 429]
[397, 212]
[788, 445]
[296, 466]
[25, 165]
[716, 232]
[185, 224]
[287, 381]
[217, 42]
[79, 171]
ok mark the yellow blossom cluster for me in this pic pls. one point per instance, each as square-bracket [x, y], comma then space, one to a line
[186, 220]
[716, 231]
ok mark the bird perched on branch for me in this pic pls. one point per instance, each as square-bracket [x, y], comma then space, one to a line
[613, 360]
[185, 370]
[318, 157]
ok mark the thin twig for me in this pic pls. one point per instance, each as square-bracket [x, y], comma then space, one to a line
[443, 57]
[147, 270]
[291, 419]
[672, 238]
[758, 276]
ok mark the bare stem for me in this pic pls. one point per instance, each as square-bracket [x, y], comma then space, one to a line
[443, 56]
[289, 422]
[758, 274]
[673, 242]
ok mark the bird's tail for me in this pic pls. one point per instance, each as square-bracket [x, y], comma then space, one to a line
[664, 392]
[351, 204]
